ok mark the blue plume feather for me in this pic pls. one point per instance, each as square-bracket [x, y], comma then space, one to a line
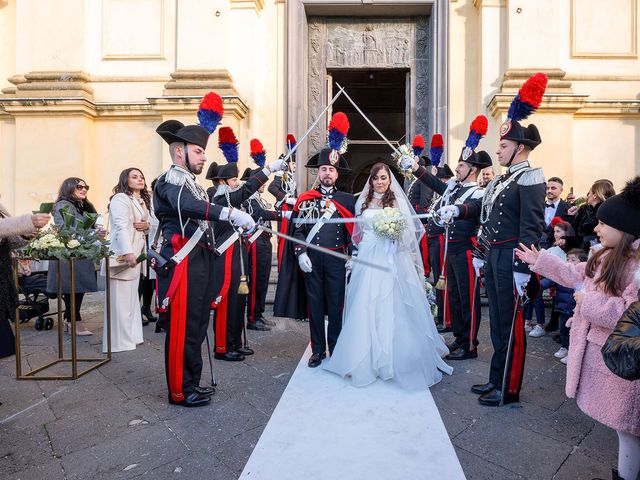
[519, 109]
[259, 158]
[436, 154]
[335, 139]
[230, 151]
[473, 139]
[209, 119]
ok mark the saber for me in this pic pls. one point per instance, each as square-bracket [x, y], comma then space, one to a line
[366, 118]
[304, 221]
[324, 250]
[295, 148]
[472, 333]
[507, 364]
[213, 378]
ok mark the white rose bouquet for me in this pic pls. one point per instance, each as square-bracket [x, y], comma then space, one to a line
[75, 238]
[389, 223]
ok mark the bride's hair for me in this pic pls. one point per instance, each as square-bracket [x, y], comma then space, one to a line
[389, 198]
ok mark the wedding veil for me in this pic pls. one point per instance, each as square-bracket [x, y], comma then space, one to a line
[410, 240]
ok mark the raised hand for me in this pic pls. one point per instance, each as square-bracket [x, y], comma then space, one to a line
[528, 255]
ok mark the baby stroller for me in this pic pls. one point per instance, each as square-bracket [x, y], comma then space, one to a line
[33, 300]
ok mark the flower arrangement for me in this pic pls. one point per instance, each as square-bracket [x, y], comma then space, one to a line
[389, 223]
[430, 292]
[75, 238]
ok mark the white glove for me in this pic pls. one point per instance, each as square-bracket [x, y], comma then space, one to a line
[241, 219]
[448, 213]
[276, 166]
[287, 215]
[291, 201]
[305, 263]
[279, 173]
[451, 183]
[477, 265]
[406, 162]
[521, 280]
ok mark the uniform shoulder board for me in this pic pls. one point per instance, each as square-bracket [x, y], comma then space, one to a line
[176, 176]
[533, 176]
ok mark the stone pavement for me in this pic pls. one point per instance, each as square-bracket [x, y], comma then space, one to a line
[116, 423]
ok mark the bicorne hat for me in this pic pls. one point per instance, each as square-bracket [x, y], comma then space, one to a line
[526, 102]
[174, 131]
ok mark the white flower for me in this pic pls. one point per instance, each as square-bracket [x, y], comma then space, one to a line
[73, 244]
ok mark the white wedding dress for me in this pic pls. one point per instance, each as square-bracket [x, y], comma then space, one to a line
[388, 331]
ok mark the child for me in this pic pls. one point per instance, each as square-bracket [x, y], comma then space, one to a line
[564, 303]
[605, 286]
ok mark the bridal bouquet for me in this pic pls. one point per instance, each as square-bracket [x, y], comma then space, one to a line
[75, 238]
[389, 223]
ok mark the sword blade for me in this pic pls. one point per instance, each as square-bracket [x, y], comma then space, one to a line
[305, 221]
[325, 250]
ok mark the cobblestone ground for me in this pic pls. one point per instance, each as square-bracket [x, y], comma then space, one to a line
[115, 422]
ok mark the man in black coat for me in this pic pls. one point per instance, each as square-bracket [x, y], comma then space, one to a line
[185, 294]
[511, 212]
[324, 275]
[554, 207]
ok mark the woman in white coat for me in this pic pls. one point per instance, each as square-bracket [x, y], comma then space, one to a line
[129, 222]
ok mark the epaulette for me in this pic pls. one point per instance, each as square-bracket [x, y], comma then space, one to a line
[533, 176]
[176, 176]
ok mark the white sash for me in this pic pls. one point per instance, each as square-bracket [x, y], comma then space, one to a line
[227, 243]
[316, 228]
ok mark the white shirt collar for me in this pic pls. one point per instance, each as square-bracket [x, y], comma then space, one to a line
[518, 166]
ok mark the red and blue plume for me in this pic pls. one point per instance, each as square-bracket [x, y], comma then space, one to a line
[210, 111]
[436, 150]
[228, 143]
[477, 130]
[338, 129]
[257, 152]
[418, 145]
[529, 97]
[291, 142]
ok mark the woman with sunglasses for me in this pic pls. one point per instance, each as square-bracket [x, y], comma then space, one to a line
[73, 195]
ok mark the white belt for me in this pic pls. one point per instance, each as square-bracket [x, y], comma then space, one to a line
[227, 243]
[316, 228]
[186, 249]
[255, 236]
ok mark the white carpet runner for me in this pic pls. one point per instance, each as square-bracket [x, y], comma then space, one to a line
[324, 428]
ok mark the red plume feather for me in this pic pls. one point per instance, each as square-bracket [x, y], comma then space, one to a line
[533, 89]
[437, 141]
[226, 135]
[418, 141]
[256, 146]
[480, 125]
[339, 122]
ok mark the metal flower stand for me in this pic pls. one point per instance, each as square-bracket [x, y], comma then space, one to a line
[74, 359]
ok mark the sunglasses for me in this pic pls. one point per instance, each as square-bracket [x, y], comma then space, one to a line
[82, 187]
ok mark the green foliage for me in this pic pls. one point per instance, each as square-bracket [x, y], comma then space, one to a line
[75, 238]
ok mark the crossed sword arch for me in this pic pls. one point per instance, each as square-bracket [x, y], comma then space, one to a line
[396, 153]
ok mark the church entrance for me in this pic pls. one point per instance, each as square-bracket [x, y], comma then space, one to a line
[382, 96]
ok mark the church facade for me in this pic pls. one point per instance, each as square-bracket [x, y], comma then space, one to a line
[85, 82]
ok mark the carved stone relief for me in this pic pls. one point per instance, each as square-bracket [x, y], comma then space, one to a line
[422, 96]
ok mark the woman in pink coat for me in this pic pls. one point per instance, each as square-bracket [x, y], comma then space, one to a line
[605, 286]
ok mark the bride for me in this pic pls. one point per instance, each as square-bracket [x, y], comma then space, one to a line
[388, 330]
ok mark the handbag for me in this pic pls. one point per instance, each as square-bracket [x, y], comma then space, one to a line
[621, 351]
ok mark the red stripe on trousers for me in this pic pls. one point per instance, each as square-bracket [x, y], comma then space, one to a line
[472, 303]
[223, 306]
[253, 249]
[178, 324]
[517, 359]
[445, 296]
[425, 255]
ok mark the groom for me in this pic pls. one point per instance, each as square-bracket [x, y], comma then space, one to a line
[324, 275]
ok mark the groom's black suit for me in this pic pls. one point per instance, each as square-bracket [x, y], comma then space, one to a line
[325, 284]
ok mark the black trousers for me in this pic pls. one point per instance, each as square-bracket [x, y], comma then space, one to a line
[460, 281]
[435, 246]
[229, 312]
[259, 271]
[187, 317]
[146, 286]
[325, 286]
[66, 298]
[506, 363]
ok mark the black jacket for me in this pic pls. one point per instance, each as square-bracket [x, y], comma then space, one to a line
[461, 231]
[517, 213]
[173, 198]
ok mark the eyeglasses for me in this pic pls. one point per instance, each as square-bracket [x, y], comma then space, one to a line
[82, 187]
